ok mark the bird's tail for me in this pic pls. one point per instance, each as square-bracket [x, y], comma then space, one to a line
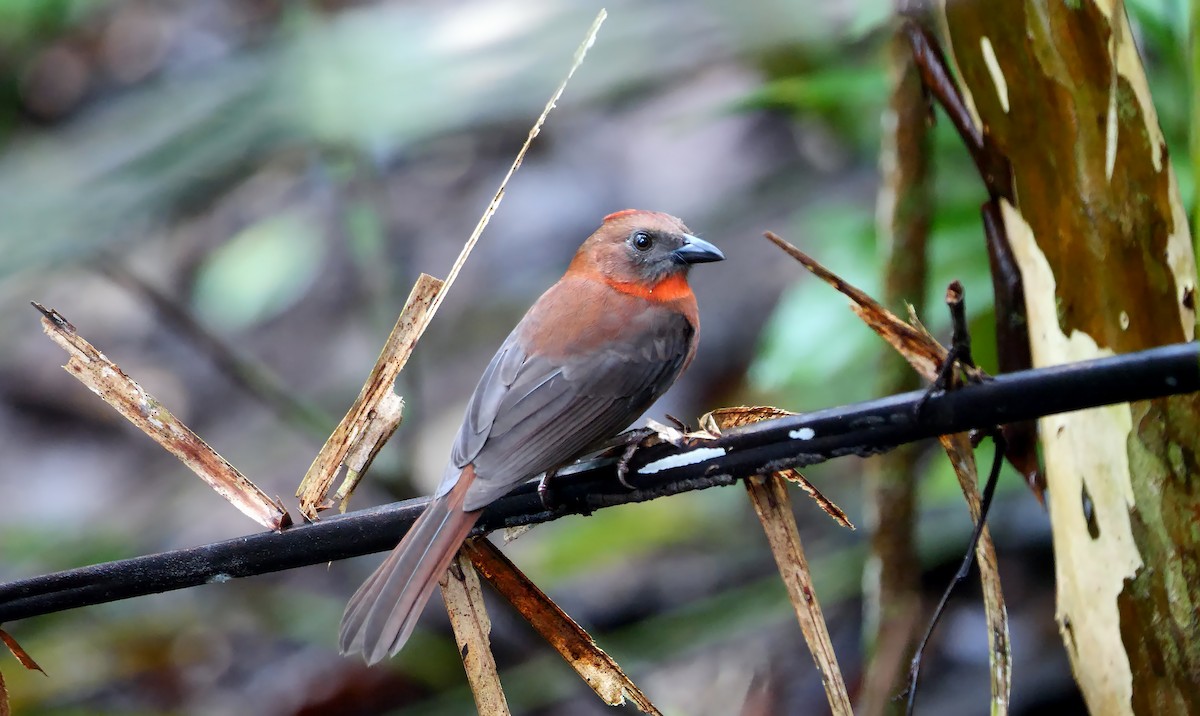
[381, 615]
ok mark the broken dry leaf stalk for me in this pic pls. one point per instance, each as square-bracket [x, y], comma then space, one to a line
[472, 630]
[720, 419]
[769, 495]
[962, 457]
[926, 355]
[575, 645]
[376, 412]
[107, 380]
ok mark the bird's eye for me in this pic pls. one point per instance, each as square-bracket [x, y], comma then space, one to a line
[642, 241]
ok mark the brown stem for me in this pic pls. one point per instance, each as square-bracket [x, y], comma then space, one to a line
[892, 589]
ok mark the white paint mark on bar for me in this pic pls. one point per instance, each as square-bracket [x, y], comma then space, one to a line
[802, 434]
[690, 457]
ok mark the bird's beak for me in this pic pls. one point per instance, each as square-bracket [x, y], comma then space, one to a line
[697, 251]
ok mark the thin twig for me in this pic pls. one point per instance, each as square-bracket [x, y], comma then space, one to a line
[960, 337]
[959, 352]
[1013, 351]
[964, 569]
[992, 165]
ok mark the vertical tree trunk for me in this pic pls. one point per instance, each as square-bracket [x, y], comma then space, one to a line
[1103, 245]
[1194, 125]
[890, 582]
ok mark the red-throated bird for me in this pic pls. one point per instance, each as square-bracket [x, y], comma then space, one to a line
[587, 360]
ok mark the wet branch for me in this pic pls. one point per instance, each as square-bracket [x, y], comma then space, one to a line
[861, 429]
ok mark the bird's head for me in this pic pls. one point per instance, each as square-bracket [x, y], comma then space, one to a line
[644, 248]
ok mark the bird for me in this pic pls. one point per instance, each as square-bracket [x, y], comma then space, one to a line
[588, 358]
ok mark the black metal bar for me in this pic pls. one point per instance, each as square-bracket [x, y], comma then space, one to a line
[861, 429]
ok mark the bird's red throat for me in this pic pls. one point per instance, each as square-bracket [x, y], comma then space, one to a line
[671, 288]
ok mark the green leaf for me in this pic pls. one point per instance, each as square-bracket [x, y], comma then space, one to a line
[365, 233]
[259, 273]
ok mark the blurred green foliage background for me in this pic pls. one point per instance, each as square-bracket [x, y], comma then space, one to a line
[280, 172]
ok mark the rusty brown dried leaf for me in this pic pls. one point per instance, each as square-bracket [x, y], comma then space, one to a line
[717, 420]
[593, 665]
[20, 653]
[472, 630]
[107, 380]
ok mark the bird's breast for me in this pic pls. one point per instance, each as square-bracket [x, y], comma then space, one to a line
[580, 315]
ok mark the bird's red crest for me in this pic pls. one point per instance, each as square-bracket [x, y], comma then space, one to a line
[621, 214]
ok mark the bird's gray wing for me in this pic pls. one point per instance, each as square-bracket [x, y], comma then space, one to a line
[531, 413]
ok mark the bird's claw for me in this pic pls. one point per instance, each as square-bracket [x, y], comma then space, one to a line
[545, 496]
[633, 441]
[623, 466]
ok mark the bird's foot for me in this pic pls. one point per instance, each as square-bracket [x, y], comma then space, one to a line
[633, 441]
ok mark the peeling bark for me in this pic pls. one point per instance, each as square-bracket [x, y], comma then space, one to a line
[1103, 244]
